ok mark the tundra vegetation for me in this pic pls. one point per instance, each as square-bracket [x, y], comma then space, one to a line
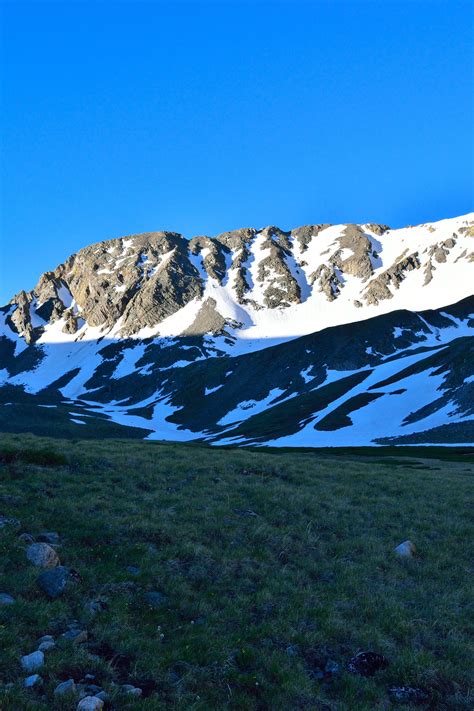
[269, 571]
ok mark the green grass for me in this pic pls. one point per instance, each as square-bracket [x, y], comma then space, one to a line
[271, 564]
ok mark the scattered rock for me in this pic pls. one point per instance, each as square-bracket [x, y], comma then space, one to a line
[91, 689]
[407, 549]
[26, 538]
[75, 635]
[132, 690]
[103, 695]
[32, 662]
[367, 663]
[66, 687]
[33, 680]
[45, 638]
[42, 555]
[320, 666]
[53, 582]
[50, 537]
[409, 695]
[90, 703]
[9, 521]
[6, 599]
[155, 599]
[46, 646]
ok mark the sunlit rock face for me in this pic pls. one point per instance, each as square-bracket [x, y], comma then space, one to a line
[133, 322]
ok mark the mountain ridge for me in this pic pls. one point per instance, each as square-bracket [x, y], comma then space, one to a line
[228, 340]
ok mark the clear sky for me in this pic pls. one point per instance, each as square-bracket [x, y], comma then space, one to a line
[201, 117]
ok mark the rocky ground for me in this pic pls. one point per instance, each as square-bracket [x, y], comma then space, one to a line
[153, 576]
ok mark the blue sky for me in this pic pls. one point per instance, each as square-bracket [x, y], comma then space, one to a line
[200, 117]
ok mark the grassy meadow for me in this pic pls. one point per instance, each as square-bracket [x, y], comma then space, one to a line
[275, 568]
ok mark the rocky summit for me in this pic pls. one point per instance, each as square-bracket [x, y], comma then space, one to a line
[318, 336]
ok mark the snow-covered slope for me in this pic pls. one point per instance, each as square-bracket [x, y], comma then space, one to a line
[255, 336]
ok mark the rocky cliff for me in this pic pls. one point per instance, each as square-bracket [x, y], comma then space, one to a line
[145, 329]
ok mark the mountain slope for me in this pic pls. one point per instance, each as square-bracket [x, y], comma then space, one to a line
[204, 339]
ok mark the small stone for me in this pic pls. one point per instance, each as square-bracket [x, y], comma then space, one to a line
[409, 695]
[92, 689]
[90, 703]
[42, 555]
[66, 687]
[46, 646]
[32, 662]
[50, 537]
[9, 521]
[6, 599]
[103, 695]
[367, 663]
[76, 636]
[26, 538]
[53, 582]
[133, 570]
[33, 680]
[155, 599]
[132, 690]
[45, 638]
[407, 549]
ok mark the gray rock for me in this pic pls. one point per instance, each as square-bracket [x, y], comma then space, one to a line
[9, 521]
[90, 703]
[45, 638]
[42, 555]
[50, 537]
[132, 690]
[26, 538]
[92, 689]
[155, 599]
[32, 662]
[76, 636]
[46, 646]
[66, 687]
[407, 549]
[53, 582]
[6, 599]
[33, 680]
[103, 695]
[133, 570]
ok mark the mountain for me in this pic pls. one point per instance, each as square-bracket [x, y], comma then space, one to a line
[324, 335]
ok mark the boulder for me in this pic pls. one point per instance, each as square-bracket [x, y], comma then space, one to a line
[66, 687]
[53, 582]
[407, 549]
[132, 690]
[42, 555]
[90, 703]
[6, 599]
[46, 646]
[33, 680]
[32, 662]
[75, 635]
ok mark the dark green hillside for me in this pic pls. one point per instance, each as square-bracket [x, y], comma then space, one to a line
[271, 570]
